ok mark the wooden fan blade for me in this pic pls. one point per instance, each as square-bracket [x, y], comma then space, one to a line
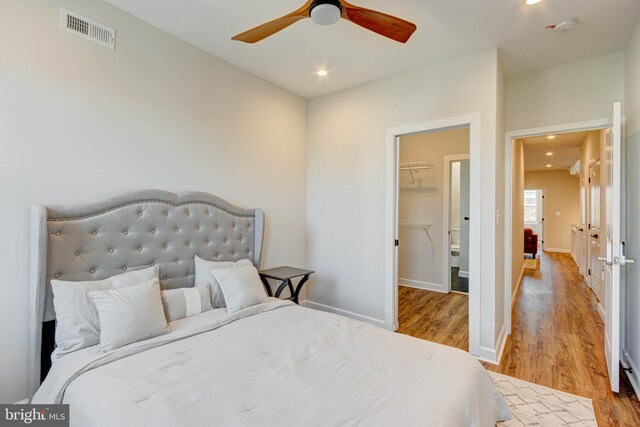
[263, 31]
[386, 25]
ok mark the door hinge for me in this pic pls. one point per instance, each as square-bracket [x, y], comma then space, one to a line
[397, 243]
[589, 272]
[628, 369]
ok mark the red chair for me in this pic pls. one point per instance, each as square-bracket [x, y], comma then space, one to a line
[530, 242]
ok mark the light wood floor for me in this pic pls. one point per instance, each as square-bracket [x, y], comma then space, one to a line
[556, 341]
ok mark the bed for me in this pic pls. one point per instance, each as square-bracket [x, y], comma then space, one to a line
[273, 363]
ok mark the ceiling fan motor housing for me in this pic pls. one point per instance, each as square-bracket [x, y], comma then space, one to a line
[325, 12]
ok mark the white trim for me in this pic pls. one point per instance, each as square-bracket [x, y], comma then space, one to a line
[493, 355]
[600, 308]
[446, 217]
[634, 377]
[557, 250]
[346, 313]
[427, 286]
[473, 121]
[518, 285]
[464, 274]
[508, 183]
[22, 402]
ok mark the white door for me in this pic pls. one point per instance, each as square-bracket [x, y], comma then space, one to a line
[614, 254]
[594, 231]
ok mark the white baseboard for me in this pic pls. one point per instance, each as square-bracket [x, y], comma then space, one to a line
[346, 313]
[22, 402]
[493, 355]
[518, 284]
[558, 250]
[417, 284]
[634, 377]
[464, 274]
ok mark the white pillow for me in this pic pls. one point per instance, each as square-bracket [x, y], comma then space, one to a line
[130, 314]
[203, 275]
[241, 287]
[77, 319]
[186, 302]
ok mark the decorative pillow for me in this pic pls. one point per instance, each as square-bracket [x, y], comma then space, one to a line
[203, 275]
[77, 319]
[130, 314]
[241, 287]
[186, 302]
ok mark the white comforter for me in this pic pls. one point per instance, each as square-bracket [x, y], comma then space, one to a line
[275, 364]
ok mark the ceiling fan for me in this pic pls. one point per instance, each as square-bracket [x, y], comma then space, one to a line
[328, 12]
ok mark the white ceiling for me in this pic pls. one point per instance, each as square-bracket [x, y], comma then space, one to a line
[354, 56]
[565, 148]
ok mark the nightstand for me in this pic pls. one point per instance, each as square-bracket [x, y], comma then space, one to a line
[284, 275]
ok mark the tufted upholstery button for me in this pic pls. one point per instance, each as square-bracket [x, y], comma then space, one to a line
[94, 232]
[187, 244]
[233, 254]
[92, 270]
[198, 227]
[177, 260]
[124, 268]
[126, 232]
[206, 242]
[77, 253]
[177, 230]
[165, 246]
[217, 227]
[225, 240]
[164, 277]
[188, 213]
[57, 275]
[57, 233]
[217, 255]
[110, 251]
[139, 213]
[139, 248]
[153, 264]
[233, 226]
[166, 213]
[153, 231]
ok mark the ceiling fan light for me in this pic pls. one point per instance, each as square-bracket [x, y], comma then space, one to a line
[325, 14]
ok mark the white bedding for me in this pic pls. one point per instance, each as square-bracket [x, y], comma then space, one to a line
[275, 364]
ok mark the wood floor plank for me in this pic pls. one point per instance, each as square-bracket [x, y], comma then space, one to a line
[557, 338]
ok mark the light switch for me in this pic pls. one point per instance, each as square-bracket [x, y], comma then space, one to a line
[557, 213]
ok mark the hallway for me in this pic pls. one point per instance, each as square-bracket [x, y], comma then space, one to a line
[557, 338]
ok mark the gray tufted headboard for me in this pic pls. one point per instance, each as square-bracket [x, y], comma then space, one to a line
[125, 232]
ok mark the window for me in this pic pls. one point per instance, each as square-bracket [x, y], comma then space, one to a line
[531, 207]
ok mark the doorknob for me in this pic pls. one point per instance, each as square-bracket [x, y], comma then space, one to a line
[595, 235]
[604, 260]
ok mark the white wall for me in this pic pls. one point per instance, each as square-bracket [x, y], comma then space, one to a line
[78, 121]
[517, 213]
[346, 177]
[575, 92]
[631, 341]
[420, 259]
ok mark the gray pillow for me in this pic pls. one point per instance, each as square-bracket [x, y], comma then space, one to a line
[77, 319]
[186, 302]
[203, 275]
[241, 286]
[130, 314]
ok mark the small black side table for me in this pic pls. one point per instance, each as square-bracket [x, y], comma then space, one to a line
[284, 275]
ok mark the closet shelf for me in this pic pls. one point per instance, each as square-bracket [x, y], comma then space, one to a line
[425, 227]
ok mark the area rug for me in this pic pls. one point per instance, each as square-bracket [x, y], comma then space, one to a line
[532, 263]
[535, 405]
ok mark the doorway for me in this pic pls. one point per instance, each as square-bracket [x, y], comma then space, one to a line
[456, 222]
[415, 228]
[534, 217]
[604, 138]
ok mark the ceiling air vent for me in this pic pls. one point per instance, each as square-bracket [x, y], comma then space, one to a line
[87, 29]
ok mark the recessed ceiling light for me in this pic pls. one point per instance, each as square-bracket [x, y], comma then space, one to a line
[548, 153]
[551, 137]
[532, 2]
[549, 166]
[322, 73]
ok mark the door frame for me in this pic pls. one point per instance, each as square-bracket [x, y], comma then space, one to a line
[446, 215]
[473, 122]
[510, 136]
